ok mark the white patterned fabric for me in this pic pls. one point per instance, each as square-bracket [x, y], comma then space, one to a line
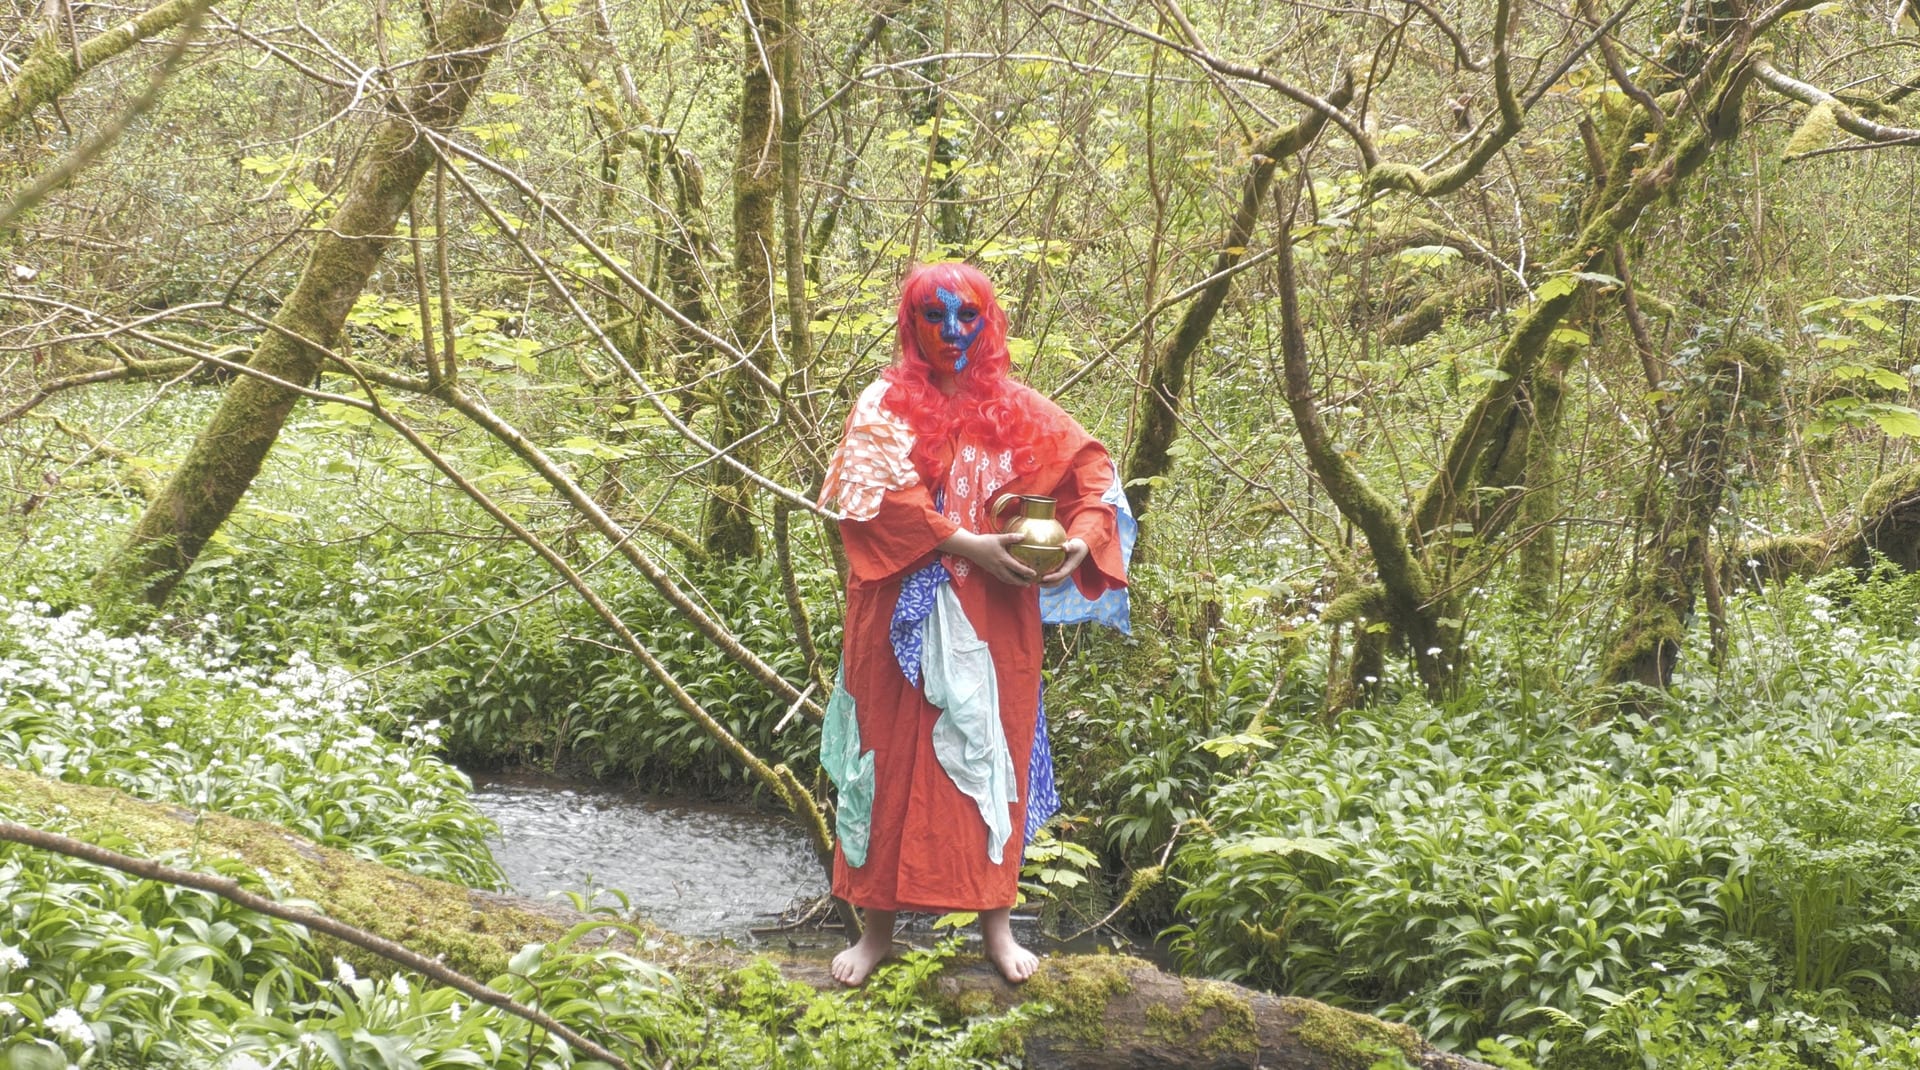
[876, 456]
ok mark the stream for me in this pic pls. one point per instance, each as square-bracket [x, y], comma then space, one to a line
[699, 869]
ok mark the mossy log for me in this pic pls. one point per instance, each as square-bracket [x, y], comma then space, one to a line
[1886, 525]
[1117, 1013]
[1108, 1011]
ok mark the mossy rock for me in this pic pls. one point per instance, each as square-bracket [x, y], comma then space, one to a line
[1112, 1012]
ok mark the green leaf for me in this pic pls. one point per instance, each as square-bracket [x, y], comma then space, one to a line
[959, 919]
[1428, 255]
[1240, 743]
[526, 959]
[1572, 336]
[1282, 845]
[1886, 379]
[1557, 286]
[1896, 420]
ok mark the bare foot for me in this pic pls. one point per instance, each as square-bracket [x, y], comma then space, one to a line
[1014, 962]
[853, 966]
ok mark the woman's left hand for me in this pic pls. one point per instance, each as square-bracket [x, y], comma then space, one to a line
[1076, 553]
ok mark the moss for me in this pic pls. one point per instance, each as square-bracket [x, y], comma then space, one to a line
[1387, 175]
[1215, 1019]
[1890, 492]
[1786, 555]
[1079, 991]
[432, 917]
[1368, 601]
[1350, 1041]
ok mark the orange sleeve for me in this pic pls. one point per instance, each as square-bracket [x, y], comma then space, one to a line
[1089, 475]
[902, 535]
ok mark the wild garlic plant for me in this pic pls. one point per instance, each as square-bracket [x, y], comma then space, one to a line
[177, 721]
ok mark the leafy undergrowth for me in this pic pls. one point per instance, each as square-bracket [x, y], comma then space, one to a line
[179, 722]
[99, 969]
[1728, 875]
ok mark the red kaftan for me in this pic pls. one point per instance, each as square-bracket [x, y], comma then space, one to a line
[928, 846]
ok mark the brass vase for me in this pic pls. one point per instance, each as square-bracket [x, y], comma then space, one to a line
[1042, 546]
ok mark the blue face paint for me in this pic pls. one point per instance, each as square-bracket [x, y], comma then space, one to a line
[956, 323]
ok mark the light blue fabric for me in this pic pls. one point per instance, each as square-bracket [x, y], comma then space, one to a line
[851, 773]
[968, 738]
[1064, 604]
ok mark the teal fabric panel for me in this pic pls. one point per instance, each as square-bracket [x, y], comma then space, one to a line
[851, 773]
[968, 738]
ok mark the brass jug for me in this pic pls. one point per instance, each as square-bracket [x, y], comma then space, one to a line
[1043, 547]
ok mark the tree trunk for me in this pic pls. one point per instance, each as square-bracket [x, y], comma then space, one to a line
[1147, 459]
[225, 458]
[1108, 1012]
[1733, 394]
[952, 229]
[1540, 500]
[727, 528]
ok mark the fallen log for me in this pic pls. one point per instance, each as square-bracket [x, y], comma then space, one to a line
[1885, 525]
[1102, 1011]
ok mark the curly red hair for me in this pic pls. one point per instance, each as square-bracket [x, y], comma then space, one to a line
[988, 406]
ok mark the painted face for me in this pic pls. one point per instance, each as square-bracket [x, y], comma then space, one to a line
[947, 327]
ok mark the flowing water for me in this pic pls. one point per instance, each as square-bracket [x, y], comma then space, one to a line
[694, 868]
[699, 869]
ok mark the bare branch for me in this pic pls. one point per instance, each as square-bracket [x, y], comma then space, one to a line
[232, 891]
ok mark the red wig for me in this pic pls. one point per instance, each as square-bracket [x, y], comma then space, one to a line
[987, 405]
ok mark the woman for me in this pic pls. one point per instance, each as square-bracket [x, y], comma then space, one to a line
[936, 723]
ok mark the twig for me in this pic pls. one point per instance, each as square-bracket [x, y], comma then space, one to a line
[230, 890]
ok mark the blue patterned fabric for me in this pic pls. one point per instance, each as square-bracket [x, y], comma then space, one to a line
[1043, 798]
[1064, 604]
[907, 631]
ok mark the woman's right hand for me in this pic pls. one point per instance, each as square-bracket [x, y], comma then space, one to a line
[991, 553]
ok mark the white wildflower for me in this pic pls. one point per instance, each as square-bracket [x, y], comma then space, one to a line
[67, 1023]
[7, 1010]
[401, 986]
[345, 970]
[11, 958]
[244, 1061]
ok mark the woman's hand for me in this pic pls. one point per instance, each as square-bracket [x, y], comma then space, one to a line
[1076, 553]
[990, 553]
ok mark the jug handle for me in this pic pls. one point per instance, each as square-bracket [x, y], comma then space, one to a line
[1000, 505]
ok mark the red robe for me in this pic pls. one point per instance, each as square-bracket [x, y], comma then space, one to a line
[928, 844]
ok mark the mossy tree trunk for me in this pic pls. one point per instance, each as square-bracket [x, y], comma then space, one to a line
[50, 68]
[951, 222]
[1147, 456]
[1540, 504]
[1417, 600]
[727, 528]
[1729, 402]
[227, 455]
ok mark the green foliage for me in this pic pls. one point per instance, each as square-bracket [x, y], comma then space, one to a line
[1737, 873]
[181, 722]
